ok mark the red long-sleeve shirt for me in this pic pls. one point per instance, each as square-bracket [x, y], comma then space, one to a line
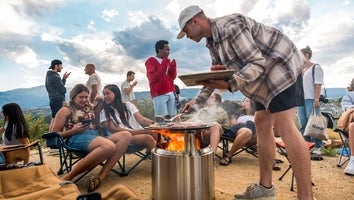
[160, 75]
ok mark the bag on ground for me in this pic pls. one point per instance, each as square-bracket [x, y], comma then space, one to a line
[316, 127]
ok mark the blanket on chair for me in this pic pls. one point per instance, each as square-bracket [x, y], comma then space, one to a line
[35, 183]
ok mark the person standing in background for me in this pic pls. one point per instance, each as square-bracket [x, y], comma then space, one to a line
[55, 87]
[267, 68]
[128, 89]
[312, 79]
[177, 93]
[161, 73]
[93, 83]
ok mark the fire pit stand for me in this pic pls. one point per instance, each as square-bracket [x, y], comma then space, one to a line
[184, 175]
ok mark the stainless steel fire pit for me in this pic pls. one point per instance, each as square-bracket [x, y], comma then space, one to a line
[186, 173]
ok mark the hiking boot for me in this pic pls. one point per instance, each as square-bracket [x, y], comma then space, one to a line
[257, 191]
[350, 168]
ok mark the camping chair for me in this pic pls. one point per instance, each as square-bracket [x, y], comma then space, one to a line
[14, 154]
[344, 150]
[250, 147]
[137, 150]
[132, 149]
[68, 156]
[281, 148]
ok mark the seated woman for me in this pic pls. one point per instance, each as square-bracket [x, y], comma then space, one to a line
[242, 129]
[118, 116]
[15, 130]
[68, 123]
[348, 105]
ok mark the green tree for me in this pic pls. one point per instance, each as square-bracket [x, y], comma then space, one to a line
[37, 124]
[146, 108]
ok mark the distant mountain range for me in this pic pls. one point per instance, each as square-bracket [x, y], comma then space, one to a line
[37, 97]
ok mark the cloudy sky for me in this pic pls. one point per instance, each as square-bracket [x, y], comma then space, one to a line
[118, 36]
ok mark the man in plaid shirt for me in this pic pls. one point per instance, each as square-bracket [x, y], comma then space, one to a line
[267, 68]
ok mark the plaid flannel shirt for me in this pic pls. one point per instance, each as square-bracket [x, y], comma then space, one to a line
[265, 60]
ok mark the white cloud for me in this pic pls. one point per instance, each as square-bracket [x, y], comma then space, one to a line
[137, 17]
[10, 19]
[91, 26]
[108, 15]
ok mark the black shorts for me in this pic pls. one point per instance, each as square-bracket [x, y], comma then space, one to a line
[55, 106]
[291, 97]
[232, 132]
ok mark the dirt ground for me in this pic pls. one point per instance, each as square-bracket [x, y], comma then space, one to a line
[330, 181]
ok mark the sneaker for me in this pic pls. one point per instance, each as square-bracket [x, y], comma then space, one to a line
[316, 154]
[257, 191]
[350, 168]
[317, 151]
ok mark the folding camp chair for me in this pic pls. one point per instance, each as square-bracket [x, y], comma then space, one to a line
[281, 148]
[137, 150]
[250, 147]
[344, 150]
[69, 156]
[14, 154]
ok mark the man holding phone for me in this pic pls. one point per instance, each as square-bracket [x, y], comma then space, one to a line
[55, 87]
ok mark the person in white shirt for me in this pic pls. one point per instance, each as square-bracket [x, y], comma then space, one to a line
[118, 116]
[312, 76]
[127, 89]
[93, 83]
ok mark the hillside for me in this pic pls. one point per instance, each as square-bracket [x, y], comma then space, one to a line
[37, 97]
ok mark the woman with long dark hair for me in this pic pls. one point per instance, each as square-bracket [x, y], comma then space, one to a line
[119, 116]
[15, 130]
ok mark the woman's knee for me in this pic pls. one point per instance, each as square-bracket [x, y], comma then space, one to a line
[105, 143]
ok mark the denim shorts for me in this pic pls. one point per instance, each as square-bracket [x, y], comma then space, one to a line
[81, 140]
[165, 105]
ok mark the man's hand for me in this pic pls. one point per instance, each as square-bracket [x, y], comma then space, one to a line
[66, 75]
[134, 83]
[173, 63]
[218, 67]
[188, 107]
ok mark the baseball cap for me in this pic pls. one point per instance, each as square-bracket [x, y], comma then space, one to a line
[55, 62]
[185, 15]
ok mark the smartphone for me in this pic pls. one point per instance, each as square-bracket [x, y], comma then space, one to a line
[86, 122]
[89, 196]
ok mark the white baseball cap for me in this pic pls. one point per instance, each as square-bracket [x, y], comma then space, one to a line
[185, 15]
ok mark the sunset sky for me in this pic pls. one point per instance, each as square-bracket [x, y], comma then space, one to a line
[118, 36]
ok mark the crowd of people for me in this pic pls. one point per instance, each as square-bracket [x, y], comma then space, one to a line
[277, 78]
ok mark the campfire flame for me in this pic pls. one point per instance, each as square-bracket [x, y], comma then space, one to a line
[173, 140]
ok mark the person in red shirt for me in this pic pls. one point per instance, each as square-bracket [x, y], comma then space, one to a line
[161, 73]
